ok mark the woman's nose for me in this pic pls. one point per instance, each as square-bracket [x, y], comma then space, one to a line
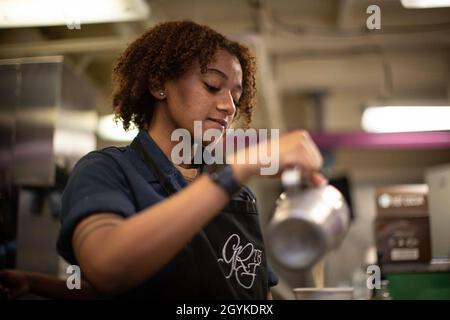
[226, 104]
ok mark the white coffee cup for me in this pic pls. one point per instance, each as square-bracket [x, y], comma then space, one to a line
[323, 293]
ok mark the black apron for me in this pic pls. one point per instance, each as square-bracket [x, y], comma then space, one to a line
[225, 260]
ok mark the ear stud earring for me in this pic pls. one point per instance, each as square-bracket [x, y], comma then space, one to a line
[161, 94]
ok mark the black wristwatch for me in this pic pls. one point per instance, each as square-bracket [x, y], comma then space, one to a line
[223, 176]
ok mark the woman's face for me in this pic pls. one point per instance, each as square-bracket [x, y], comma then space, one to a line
[209, 97]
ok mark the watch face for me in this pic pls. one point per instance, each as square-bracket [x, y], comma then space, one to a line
[223, 176]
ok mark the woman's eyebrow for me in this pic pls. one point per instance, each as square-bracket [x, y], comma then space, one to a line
[223, 75]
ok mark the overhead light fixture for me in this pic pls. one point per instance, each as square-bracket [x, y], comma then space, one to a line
[32, 13]
[422, 4]
[406, 118]
[111, 130]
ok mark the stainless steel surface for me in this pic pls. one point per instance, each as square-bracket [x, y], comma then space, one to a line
[307, 224]
[37, 233]
[8, 105]
[47, 121]
[38, 88]
[48, 115]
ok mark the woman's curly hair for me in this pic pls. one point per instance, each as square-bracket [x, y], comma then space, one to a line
[164, 53]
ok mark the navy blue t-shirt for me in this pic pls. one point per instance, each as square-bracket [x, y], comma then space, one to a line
[116, 180]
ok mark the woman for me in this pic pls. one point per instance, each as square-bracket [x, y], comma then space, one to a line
[140, 226]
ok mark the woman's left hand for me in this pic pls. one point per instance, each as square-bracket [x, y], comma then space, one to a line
[14, 284]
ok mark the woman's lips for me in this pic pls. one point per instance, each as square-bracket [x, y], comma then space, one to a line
[223, 123]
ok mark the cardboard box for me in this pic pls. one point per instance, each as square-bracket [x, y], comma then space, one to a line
[402, 227]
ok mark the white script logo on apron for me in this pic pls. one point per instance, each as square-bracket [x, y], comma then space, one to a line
[242, 260]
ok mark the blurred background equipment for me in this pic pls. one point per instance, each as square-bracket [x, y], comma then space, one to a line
[48, 123]
[438, 181]
[410, 267]
[402, 226]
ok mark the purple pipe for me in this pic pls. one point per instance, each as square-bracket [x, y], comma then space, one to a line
[363, 140]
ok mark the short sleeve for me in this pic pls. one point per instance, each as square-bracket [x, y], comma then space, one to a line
[96, 184]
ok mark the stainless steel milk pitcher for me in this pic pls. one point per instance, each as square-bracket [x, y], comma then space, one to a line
[306, 223]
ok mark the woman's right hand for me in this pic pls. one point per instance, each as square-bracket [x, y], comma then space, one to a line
[296, 148]
[14, 284]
